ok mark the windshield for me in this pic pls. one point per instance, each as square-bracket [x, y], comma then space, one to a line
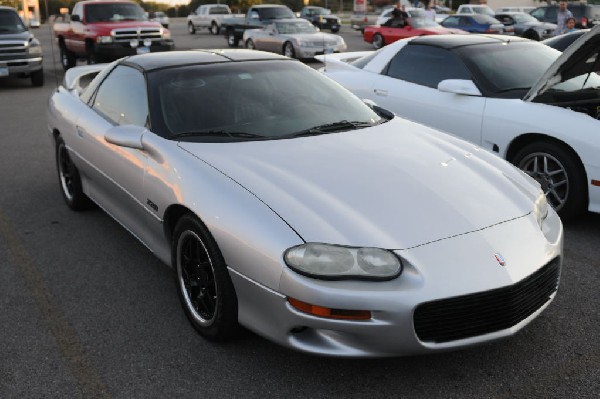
[113, 12]
[275, 13]
[483, 11]
[518, 66]
[423, 23]
[523, 18]
[10, 22]
[251, 100]
[299, 26]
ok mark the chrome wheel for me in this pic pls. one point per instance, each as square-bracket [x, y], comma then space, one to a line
[231, 40]
[214, 29]
[191, 28]
[66, 170]
[250, 44]
[378, 41]
[196, 277]
[288, 50]
[551, 174]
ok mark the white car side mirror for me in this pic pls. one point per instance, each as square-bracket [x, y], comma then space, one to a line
[459, 86]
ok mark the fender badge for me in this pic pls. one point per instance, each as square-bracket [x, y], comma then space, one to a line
[500, 259]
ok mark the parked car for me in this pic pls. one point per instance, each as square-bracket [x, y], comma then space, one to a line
[286, 204]
[526, 26]
[100, 31]
[209, 16]
[20, 52]
[34, 23]
[477, 23]
[322, 18]
[586, 15]
[515, 97]
[159, 17]
[412, 12]
[525, 9]
[472, 9]
[294, 38]
[380, 36]
[256, 17]
[561, 42]
[358, 20]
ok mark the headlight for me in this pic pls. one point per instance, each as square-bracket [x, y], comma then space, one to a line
[104, 39]
[34, 48]
[166, 34]
[540, 208]
[335, 262]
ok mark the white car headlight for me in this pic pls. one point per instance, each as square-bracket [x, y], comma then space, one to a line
[335, 262]
[540, 208]
[104, 39]
[166, 34]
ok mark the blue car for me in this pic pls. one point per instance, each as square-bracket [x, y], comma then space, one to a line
[477, 23]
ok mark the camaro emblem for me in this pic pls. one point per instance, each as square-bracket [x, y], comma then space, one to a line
[500, 259]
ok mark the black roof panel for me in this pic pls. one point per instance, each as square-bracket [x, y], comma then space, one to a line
[453, 41]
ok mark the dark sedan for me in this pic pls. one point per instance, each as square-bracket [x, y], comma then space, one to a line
[321, 18]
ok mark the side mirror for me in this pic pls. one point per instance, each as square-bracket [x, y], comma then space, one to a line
[75, 18]
[129, 136]
[459, 86]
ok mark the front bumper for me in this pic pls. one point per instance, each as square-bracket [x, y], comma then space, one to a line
[20, 66]
[311, 51]
[115, 51]
[435, 271]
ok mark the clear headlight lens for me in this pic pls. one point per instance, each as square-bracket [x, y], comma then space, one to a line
[166, 34]
[540, 208]
[335, 262]
[104, 39]
[34, 48]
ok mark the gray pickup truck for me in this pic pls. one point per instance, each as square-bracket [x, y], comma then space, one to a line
[20, 51]
[256, 17]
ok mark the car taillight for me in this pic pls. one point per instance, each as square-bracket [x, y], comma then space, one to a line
[584, 22]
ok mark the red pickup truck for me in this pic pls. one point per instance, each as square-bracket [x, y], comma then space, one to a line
[106, 30]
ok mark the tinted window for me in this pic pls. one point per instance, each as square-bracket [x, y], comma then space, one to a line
[219, 10]
[113, 12]
[506, 67]
[450, 21]
[426, 65]
[538, 13]
[238, 100]
[363, 61]
[551, 14]
[275, 13]
[122, 98]
[10, 22]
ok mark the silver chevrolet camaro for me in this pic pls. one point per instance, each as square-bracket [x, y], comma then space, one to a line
[287, 205]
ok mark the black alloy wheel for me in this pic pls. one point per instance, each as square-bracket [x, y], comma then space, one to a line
[69, 179]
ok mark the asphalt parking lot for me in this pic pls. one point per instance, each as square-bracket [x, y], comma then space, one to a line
[88, 311]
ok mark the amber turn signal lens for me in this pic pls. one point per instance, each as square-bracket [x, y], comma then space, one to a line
[320, 311]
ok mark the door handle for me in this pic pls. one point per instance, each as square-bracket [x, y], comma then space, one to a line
[80, 131]
[380, 92]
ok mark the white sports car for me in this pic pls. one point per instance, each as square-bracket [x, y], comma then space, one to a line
[517, 98]
[286, 204]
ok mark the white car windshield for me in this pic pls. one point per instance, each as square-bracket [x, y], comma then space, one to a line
[252, 100]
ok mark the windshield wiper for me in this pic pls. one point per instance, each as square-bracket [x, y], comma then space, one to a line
[217, 133]
[340, 126]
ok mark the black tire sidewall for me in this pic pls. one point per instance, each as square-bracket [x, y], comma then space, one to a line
[224, 324]
[79, 200]
[576, 203]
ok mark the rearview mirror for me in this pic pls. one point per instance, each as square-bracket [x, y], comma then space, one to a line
[129, 136]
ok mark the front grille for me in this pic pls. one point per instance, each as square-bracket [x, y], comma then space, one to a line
[125, 35]
[321, 43]
[12, 49]
[471, 315]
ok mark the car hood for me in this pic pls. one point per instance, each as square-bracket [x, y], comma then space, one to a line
[23, 36]
[572, 62]
[397, 185]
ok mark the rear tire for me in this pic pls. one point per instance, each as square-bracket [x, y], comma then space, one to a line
[232, 41]
[214, 28]
[378, 41]
[191, 28]
[69, 179]
[67, 58]
[37, 78]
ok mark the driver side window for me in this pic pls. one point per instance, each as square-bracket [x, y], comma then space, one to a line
[122, 99]
[426, 66]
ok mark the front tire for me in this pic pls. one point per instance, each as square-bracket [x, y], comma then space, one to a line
[67, 58]
[203, 283]
[288, 50]
[214, 28]
[232, 41]
[559, 172]
[69, 179]
[191, 28]
[378, 41]
[37, 78]
[250, 44]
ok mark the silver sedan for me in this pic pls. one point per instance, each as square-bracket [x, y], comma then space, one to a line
[294, 38]
[289, 206]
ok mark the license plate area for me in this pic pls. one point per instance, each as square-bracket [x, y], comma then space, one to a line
[143, 50]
